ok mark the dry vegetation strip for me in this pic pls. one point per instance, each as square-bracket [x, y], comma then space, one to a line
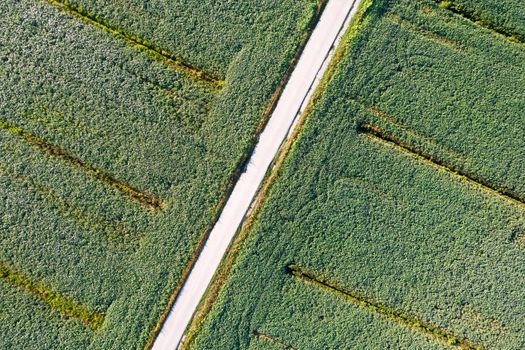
[273, 340]
[169, 59]
[384, 136]
[59, 303]
[146, 200]
[471, 16]
[438, 334]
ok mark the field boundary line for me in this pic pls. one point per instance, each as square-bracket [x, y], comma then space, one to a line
[57, 302]
[167, 58]
[469, 15]
[272, 340]
[439, 334]
[52, 150]
[390, 139]
[273, 175]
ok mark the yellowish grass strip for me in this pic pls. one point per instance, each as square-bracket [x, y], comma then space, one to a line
[169, 59]
[64, 305]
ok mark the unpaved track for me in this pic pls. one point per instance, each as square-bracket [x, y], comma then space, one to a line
[303, 81]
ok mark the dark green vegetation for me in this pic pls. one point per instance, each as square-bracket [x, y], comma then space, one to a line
[116, 149]
[398, 217]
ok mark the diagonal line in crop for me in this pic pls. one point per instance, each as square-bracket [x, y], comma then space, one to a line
[417, 152]
[169, 59]
[384, 117]
[65, 306]
[273, 340]
[403, 23]
[146, 200]
[114, 230]
[480, 21]
[355, 297]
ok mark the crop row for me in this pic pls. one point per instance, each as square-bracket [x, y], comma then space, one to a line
[423, 32]
[470, 15]
[66, 306]
[113, 230]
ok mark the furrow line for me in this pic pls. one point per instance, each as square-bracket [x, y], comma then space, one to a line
[169, 59]
[63, 305]
[378, 134]
[384, 117]
[52, 150]
[404, 319]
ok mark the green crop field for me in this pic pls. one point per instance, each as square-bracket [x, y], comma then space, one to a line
[121, 127]
[504, 16]
[397, 219]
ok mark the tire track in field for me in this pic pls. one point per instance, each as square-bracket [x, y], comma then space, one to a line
[409, 26]
[272, 340]
[57, 302]
[471, 16]
[113, 230]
